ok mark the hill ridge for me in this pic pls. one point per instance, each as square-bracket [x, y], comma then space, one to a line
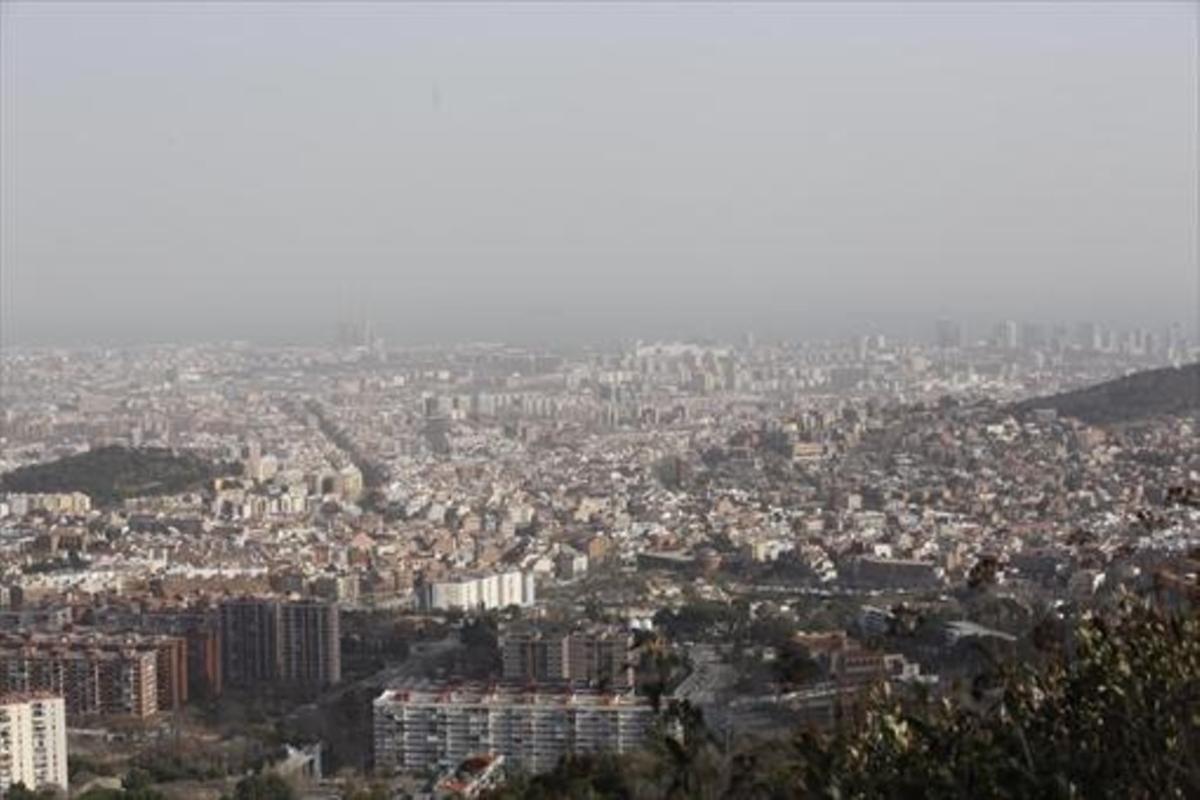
[114, 472]
[1149, 393]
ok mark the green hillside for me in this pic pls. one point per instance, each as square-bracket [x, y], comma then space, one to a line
[1171, 390]
[110, 474]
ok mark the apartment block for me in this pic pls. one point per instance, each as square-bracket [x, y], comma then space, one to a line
[91, 680]
[199, 628]
[310, 643]
[33, 741]
[421, 728]
[474, 592]
[264, 640]
[598, 656]
[204, 662]
[249, 641]
[170, 655]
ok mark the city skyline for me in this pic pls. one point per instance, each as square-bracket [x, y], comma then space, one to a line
[614, 399]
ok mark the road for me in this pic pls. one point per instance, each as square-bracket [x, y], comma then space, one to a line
[710, 677]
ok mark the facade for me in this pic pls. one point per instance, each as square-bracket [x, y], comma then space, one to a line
[249, 641]
[593, 657]
[570, 564]
[204, 662]
[92, 680]
[198, 628]
[472, 592]
[33, 742]
[309, 644]
[265, 641]
[531, 657]
[950, 334]
[171, 669]
[846, 664]
[420, 729]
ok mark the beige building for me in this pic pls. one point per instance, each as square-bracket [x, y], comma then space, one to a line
[597, 656]
[91, 681]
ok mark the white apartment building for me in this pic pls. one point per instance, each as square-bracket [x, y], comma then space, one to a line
[471, 592]
[420, 728]
[33, 742]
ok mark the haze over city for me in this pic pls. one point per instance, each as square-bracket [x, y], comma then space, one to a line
[539, 173]
[623, 401]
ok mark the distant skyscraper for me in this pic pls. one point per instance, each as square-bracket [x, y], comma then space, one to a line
[950, 333]
[1007, 335]
[357, 333]
[1033, 334]
[1089, 336]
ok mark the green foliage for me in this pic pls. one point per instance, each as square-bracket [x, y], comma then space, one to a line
[585, 776]
[658, 668]
[480, 632]
[1118, 718]
[771, 631]
[1114, 714]
[18, 791]
[480, 656]
[135, 786]
[368, 792]
[137, 779]
[167, 767]
[1169, 390]
[703, 619]
[143, 794]
[111, 474]
[795, 665]
[263, 787]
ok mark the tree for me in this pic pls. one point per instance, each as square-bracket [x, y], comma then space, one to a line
[368, 792]
[655, 664]
[480, 657]
[267, 786]
[138, 793]
[794, 664]
[19, 791]
[983, 573]
[692, 762]
[136, 785]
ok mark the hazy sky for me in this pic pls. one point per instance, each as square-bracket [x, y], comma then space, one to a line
[567, 171]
